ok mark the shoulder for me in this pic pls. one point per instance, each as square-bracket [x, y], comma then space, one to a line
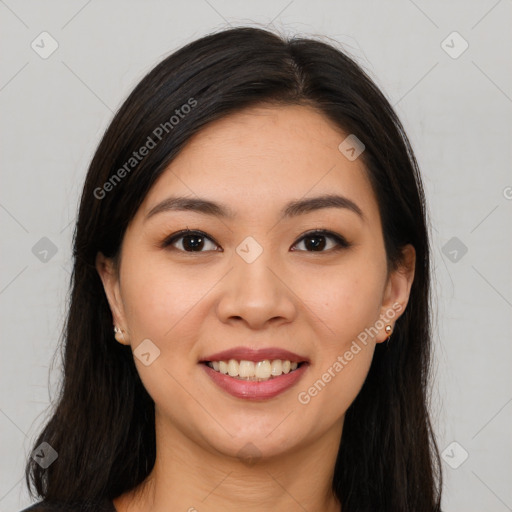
[44, 506]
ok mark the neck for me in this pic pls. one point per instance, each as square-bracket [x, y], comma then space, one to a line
[189, 477]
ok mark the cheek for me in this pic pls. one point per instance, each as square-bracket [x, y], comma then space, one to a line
[167, 307]
[158, 301]
[163, 306]
[347, 300]
[348, 303]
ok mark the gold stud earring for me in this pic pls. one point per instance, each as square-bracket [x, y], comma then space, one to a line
[118, 334]
[388, 330]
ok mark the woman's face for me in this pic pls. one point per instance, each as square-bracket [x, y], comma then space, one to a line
[252, 280]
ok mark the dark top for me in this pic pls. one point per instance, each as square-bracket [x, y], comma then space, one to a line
[102, 506]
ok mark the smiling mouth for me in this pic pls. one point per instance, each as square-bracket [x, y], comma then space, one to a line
[259, 371]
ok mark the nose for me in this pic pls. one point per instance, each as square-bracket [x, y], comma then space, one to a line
[256, 293]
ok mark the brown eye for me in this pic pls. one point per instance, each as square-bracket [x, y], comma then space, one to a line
[317, 241]
[191, 241]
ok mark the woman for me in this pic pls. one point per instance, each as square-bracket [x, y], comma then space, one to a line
[249, 320]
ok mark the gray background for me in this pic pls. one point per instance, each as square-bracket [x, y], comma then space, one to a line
[456, 109]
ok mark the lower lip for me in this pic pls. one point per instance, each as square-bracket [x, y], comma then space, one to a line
[253, 390]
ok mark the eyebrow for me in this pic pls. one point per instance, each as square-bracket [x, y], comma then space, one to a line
[292, 209]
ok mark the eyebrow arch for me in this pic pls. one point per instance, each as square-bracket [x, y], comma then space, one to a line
[292, 209]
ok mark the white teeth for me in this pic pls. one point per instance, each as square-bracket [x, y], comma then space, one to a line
[277, 367]
[223, 367]
[246, 369]
[233, 368]
[262, 370]
[249, 370]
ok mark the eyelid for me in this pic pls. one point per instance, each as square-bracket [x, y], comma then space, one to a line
[340, 241]
[168, 241]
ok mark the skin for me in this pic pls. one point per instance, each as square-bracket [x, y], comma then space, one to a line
[192, 304]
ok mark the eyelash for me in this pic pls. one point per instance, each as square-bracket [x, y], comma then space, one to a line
[341, 242]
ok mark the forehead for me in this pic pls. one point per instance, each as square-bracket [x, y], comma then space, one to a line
[263, 157]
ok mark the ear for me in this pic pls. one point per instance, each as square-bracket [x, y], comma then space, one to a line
[110, 279]
[397, 291]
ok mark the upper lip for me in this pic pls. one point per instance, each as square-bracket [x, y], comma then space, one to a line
[248, 354]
